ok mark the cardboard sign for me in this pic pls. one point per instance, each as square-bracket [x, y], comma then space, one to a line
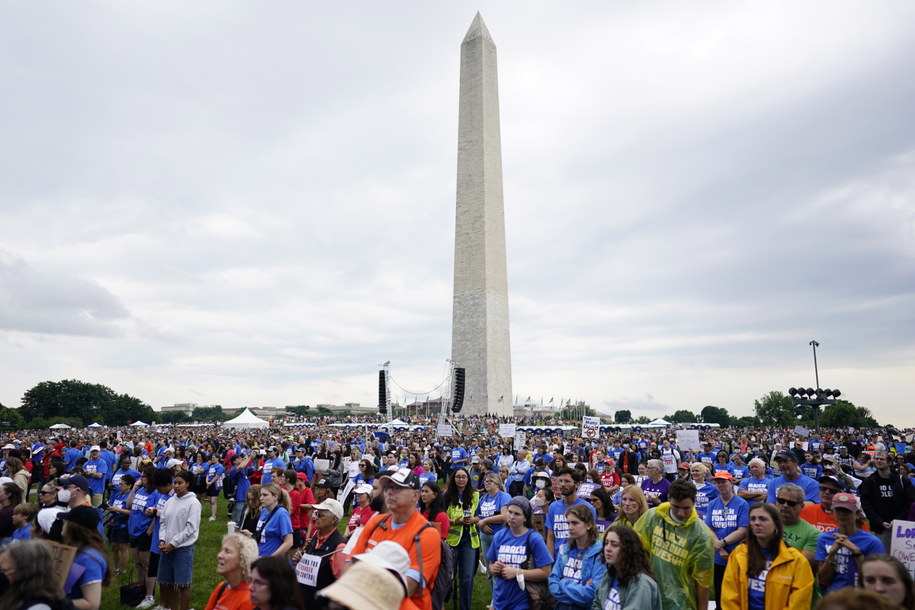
[322, 466]
[801, 431]
[444, 430]
[306, 571]
[902, 543]
[61, 559]
[688, 440]
[507, 430]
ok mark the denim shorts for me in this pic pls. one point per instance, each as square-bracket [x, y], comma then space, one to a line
[176, 568]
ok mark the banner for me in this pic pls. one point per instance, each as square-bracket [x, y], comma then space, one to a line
[688, 440]
[507, 430]
[902, 543]
[590, 427]
[306, 571]
[801, 431]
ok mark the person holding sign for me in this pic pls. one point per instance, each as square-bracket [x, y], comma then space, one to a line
[765, 572]
[320, 562]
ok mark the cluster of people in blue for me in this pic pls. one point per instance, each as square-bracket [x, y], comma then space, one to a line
[633, 519]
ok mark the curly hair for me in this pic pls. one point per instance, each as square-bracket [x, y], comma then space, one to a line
[583, 513]
[31, 558]
[634, 559]
[247, 552]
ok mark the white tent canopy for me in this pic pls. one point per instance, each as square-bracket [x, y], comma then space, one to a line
[60, 427]
[660, 422]
[246, 419]
[95, 425]
[139, 424]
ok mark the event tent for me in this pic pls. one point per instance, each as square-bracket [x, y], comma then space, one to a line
[246, 419]
[139, 424]
[95, 425]
[60, 427]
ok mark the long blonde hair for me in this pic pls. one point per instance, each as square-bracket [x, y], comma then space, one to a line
[636, 493]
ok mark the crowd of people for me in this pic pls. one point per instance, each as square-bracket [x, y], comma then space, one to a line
[356, 517]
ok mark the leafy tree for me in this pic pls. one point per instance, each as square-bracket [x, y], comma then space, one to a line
[300, 410]
[715, 415]
[642, 419]
[775, 409]
[682, 416]
[176, 417]
[745, 421]
[11, 418]
[214, 413]
[83, 402]
[844, 414]
[623, 416]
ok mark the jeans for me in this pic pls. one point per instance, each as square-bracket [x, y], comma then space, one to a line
[238, 513]
[465, 558]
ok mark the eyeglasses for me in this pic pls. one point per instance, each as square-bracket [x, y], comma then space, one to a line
[828, 490]
[790, 503]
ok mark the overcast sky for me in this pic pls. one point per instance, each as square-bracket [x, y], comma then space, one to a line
[244, 203]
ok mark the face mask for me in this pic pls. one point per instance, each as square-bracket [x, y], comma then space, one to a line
[63, 496]
[536, 501]
[540, 483]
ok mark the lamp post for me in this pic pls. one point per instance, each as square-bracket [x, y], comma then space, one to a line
[810, 397]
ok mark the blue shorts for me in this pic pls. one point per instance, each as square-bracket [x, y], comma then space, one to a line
[176, 568]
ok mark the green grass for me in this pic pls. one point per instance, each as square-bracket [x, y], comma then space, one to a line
[206, 579]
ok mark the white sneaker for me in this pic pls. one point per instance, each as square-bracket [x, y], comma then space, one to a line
[212, 518]
[148, 602]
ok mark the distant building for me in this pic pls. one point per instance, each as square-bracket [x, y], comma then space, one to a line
[180, 407]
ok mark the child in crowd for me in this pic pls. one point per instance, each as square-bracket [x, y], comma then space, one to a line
[23, 517]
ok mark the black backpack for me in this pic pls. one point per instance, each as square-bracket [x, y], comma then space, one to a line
[442, 587]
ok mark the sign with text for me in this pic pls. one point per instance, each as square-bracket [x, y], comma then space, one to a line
[688, 440]
[801, 431]
[520, 440]
[306, 571]
[444, 430]
[507, 430]
[590, 427]
[902, 543]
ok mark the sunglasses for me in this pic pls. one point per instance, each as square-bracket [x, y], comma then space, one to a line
[791, 503]
[828, 490]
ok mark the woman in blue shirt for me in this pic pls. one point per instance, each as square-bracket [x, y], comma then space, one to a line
[139, 524]
[89, 572]
[274, 527]
[491, 512]
[513, 546]
[578, 568]
[118, 535]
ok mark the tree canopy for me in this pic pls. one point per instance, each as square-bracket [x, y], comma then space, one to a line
[775, 409]
[623, 416]
[70, 399]
[844, 413]
[682, 416]
[715, 415]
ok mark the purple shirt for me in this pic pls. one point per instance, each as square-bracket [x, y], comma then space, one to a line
[660, 488]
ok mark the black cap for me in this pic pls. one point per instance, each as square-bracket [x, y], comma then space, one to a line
[86, 516]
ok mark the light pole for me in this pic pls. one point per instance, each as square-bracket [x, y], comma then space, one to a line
[810, 397]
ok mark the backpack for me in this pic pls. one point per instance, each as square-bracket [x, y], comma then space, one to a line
[441, 589]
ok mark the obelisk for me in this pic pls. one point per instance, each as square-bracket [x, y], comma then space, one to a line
[480, 338]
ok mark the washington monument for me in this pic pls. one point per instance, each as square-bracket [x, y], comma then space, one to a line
[480, 338]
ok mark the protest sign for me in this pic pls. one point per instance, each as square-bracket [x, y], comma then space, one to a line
[444, 430]
[61, 559]
[688, 440]
[520, 439]
[306, 571]
[902, 543]
[507, 430]
[590, 427]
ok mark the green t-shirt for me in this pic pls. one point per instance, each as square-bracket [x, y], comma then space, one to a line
[803, 536]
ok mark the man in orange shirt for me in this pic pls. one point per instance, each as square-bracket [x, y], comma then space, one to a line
[402, 525]
[820, 515]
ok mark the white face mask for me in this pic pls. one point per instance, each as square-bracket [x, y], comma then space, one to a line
[63, 495]
[536, 501]
[540, 484]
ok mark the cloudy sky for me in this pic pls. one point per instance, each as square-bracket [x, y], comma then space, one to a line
[242, 203]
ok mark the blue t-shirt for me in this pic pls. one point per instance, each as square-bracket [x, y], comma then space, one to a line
[161, 499]
[116, 477]
[738, 472]
[491, 505]
[756, 597]
[755, 485]
[97, 486]
[215, 472]
[138, 522]
[724, 519]
[458, 458]
[811, 488]
[118, 500]
[846, 570]
[512, 551]
[242, 481]
[704, 496]
[273, 531]
[814, 471]
[556, 520]
[23, 533]
[93, 567]
[269, 465]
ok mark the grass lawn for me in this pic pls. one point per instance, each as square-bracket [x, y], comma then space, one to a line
[206, 579]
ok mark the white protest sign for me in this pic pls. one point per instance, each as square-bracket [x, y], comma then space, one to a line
[444, 430]
[322, 465]
[306, 571]
[801, 431]
[688, 440]
[351, 544]
[520, 439]
[902, 543]
[590, 426]
[507, 430]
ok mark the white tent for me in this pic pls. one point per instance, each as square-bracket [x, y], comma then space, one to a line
[60, 427]
[660, 422]
[246, 419]
[139, 424]
[95, 425]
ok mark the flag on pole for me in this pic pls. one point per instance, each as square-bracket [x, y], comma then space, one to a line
[501, 397]
[551, 400]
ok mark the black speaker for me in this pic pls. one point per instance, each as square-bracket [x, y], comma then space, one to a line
[382, 394]
[458, 403]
